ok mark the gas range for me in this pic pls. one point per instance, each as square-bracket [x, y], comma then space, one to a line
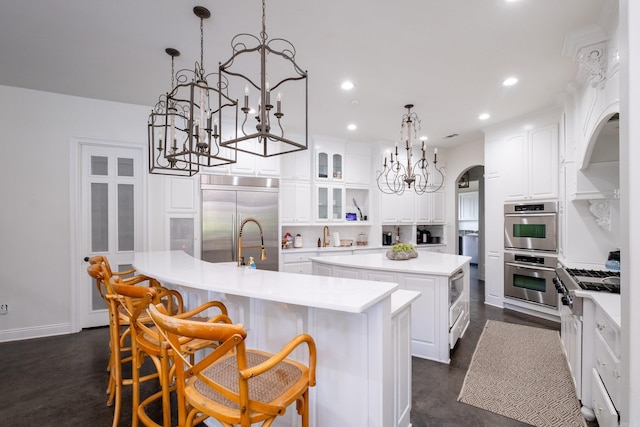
[569, 280]
[596, 280]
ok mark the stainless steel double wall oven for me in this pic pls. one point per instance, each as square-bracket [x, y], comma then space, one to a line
[531, 252]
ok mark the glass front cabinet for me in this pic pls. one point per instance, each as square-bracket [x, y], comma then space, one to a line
[329, 165]
[330, 203]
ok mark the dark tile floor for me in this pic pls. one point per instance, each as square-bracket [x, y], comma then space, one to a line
[60, 381]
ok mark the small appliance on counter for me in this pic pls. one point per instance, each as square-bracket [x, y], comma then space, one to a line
[613, 261]
[387, 238]
[335, 239]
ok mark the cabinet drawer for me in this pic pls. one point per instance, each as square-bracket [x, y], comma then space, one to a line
[455, 310]
[609, 331]
[458, 328]
[608, 366]
[602, 406]
[286, 257]
[298, 267]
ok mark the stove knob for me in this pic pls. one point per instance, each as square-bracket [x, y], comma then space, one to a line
[566, 300]
[558, 284]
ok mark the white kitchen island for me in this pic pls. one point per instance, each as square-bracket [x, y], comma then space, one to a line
[351, 321]
[440, 316]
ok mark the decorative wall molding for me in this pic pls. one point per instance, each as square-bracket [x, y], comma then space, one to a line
[601, 210]
[593, 64]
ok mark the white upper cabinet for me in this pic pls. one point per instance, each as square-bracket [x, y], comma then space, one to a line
[532, 169]
[329, 161]
[396, 209]
[468, 206]
[296, 165]
[251, 164]
[295, 202]
[358, 170]
[330, 201]
[429, 208]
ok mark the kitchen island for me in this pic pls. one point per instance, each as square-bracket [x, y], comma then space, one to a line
[440, 316]
[351, 321]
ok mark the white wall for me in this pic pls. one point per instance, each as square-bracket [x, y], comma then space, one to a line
[459, 159]
[35, 130]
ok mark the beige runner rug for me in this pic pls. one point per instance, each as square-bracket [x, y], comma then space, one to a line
[521, 372]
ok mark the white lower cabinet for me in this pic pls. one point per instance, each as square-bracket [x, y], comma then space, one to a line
[400, 337]
[437, 325]
[605, 367]
[296, 263]
[602, 406]
[298, 267]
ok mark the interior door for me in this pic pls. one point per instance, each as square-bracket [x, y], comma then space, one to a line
[111, 212]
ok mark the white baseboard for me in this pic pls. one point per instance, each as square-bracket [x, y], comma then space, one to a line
[35, 332]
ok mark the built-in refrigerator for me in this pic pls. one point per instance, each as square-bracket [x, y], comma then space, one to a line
[226, 202]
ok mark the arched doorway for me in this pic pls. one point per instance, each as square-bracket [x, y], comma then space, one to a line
[470, 216]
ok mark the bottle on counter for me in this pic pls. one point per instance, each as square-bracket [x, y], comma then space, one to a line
[319, 242]
[252, 263]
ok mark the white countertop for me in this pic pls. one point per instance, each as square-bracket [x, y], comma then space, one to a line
[332, 293]
[432, 263]
[610, 303]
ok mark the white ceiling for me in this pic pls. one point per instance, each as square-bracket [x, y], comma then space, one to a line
[448, 57]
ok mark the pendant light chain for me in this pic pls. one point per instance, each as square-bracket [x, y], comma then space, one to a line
[202, 45]
[263, 34]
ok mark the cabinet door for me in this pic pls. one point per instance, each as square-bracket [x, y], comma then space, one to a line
[322, 213]
[543, 165]
[405, 208]
[437, 206]
[397, 208]
[295, 206]
[330, 203]
[296, 165]
[388, 208]
[422, 207]
[468, 206]
[358, 165]
[516, 169]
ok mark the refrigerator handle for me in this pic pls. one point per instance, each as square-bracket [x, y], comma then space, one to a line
[234, 241]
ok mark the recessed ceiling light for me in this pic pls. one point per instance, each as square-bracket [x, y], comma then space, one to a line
[484, 116]
[510, 81]
[352, 127]
[347, 85]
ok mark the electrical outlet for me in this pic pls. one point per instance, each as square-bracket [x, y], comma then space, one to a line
[4, 308]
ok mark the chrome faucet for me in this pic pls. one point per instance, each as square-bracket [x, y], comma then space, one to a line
[325, 234]
[263, 253]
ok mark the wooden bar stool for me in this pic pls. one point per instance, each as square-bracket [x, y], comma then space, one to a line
[147, 341]
[119, 329]
[233, 385]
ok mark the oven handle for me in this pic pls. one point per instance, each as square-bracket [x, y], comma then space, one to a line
[520, 215]
[457, 276]
[530, 267]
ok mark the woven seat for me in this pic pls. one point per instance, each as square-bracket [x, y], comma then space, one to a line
[234, 385]
[267, 387]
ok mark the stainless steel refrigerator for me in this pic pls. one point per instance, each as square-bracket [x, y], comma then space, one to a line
[226, 202]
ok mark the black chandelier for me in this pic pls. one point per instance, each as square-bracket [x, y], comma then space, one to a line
[186, 125]
[262, 128]
[395, 177]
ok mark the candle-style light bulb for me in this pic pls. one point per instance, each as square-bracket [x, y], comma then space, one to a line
[278, 102]
[268, 96]
[246, 96]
